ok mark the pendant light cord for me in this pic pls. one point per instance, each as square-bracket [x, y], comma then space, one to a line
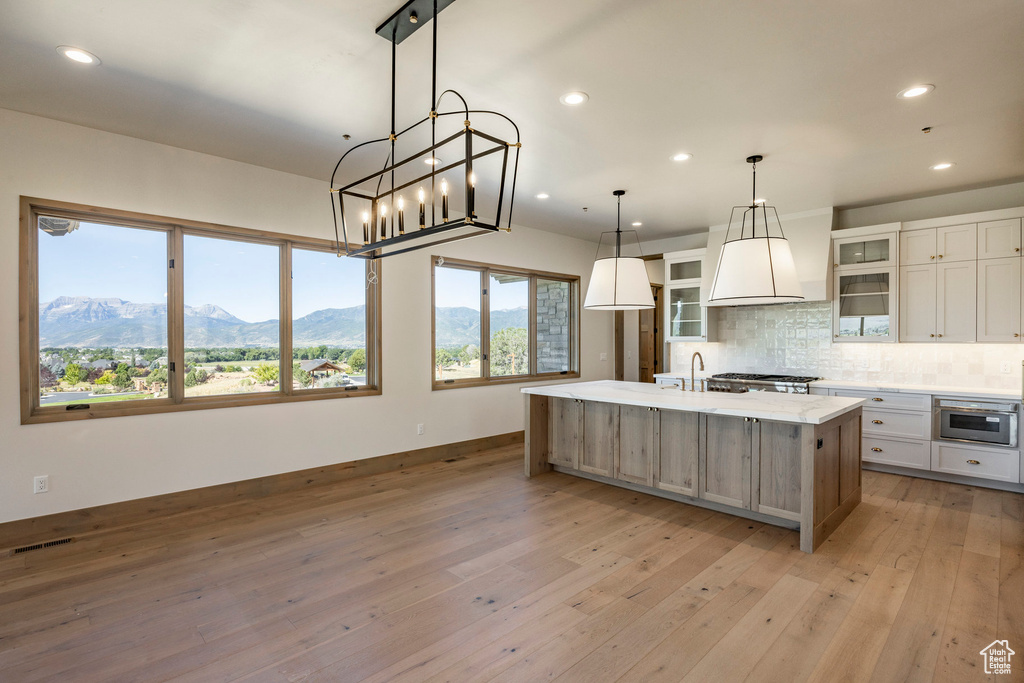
[618, 228]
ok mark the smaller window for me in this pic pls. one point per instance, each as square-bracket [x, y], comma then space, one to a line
[498, 324]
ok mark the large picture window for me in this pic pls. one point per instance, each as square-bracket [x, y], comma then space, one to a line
[500, 324]
[124, 314]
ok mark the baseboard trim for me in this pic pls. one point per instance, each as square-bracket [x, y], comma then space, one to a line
[114, 515]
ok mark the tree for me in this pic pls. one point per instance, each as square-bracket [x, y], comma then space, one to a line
[46, 377]
[301, 376]
[105, 378]
[442, 359]
[508, 352]
[358, 360]
[73, 373]
[158, 375]
[266, 373]
[121, 379]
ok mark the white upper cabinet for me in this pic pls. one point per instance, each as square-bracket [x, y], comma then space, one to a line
[999, 299]
[685, 318]
[917, 247]
[917, 303]
[999, 239]
[956, 304]
[875, 251]
[939, 245]
[956, 243]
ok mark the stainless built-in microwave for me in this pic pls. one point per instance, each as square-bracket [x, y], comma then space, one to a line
[980, 422]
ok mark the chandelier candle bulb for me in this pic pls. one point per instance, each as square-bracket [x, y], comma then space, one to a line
[366, 227]
[471, 200]
[444, 200]
[401, 216]
[383, 221]
[423, 212]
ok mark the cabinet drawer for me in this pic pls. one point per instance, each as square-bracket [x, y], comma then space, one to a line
[916, 454]
[896, 423]
[886, 399]
[987, 463]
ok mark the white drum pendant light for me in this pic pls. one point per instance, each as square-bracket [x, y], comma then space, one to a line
[619, 283]
[755, 268]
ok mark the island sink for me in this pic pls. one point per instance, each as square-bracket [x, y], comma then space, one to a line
[787, 459]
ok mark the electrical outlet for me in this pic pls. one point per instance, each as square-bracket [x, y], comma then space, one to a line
[419, 429]
[41, 484]
[604, 356]
[1006, 367]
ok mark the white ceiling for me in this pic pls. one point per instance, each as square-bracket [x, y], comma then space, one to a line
[810, 85]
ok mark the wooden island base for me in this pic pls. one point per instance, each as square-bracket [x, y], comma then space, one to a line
[793, 474]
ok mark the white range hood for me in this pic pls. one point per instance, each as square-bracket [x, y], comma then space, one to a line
[810, 239]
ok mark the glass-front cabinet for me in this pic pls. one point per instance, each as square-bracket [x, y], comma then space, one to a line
[863, 304]
[685, 318]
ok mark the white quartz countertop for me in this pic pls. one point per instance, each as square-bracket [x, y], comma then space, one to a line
[760, 404]
[933, 389]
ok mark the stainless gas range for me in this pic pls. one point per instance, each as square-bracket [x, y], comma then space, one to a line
[739, 382]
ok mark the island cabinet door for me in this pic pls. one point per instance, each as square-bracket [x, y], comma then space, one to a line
[776, 467]
[725, 460]
[565, 418]
[675, 461]
[635, 462]
[600, 438]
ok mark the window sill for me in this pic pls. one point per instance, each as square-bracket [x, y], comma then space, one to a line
[462, 383]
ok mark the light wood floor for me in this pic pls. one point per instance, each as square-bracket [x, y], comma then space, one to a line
[466, 571]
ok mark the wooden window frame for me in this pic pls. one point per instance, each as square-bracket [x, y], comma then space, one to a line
[485, 270]
[31, 410]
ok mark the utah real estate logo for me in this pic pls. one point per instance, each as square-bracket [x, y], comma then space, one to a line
[997, 657]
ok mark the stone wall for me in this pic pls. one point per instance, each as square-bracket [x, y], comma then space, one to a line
[553, 326]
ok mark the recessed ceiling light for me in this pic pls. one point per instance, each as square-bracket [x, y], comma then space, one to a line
[574, 98]
[682, 156]
[637, 224]
[916, 90]
[543, 195]
[77, 54]
[942, 166]
[432, 161]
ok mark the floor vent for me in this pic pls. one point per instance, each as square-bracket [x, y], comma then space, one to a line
[40, 546]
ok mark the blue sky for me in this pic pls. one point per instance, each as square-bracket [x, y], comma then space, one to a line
[457, 287]
[100, 261]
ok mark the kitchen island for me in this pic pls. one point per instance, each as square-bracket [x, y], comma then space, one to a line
[787, 459]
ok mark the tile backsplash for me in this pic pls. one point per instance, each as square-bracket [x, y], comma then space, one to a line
[796, 339]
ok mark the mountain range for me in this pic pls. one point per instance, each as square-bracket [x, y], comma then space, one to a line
[92, 323]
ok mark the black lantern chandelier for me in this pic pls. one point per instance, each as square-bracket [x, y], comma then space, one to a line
[451, 201]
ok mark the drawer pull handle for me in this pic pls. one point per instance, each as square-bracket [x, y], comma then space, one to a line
[973, 462]
[876, 422]
[746, 419]
[932, 257]
[931, 335]
[1016, 248]
[753, 419]
[878, 399]
[876, 449]
[940, 335]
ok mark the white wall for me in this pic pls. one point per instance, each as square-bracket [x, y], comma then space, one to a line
[93, 462]
[1004, 196]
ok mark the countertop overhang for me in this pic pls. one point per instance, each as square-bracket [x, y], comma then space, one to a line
[802, 408]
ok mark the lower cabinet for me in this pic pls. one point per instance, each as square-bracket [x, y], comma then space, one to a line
[675, 461]
[725, 470]
[756, 465]
[565, 419]
[986, 463]
[637, 434]
[600, 448]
